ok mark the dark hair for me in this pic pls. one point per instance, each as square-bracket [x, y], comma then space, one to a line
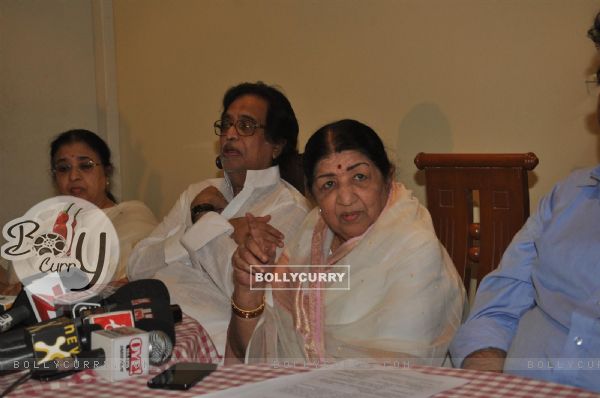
[344, 135]
[594, 32]
[92, 140]
[281, 121]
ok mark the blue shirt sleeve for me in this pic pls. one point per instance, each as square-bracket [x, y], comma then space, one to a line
[505, 294]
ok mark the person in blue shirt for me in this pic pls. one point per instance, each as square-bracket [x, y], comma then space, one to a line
[538, 314]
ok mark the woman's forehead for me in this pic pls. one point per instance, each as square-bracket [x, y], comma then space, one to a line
[75, 150]
[342, 160]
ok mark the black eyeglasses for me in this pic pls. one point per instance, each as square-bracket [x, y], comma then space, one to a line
[85, 166]
[243, 127]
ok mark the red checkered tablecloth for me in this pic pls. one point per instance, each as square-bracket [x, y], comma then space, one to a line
[482, 384]
[193, 345]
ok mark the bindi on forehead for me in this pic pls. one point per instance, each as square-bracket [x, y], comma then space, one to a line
[339, 166]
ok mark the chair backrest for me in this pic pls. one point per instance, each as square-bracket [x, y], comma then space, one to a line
[477, 203]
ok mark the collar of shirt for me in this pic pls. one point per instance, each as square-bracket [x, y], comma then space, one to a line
[591, 179]
[254, 179]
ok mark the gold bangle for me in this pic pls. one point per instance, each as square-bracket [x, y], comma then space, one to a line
[247, 314]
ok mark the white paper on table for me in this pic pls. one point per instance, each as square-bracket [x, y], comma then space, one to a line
[376, 381]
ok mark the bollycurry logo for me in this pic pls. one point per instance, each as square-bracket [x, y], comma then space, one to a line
[305, 277]
[62, 246]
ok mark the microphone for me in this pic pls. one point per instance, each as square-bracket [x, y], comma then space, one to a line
[20, 355]
[65, 366]
[42, 298]
[21, 312]
[40, 346]
[160, 347]
[16, 359]
[149, 301]
[12, 338]
[111, 320]
[13, 317]
[126, 350]
[56, 338]
[146, 300]
[90, 312]
[52, 295]
[177, 313]
[22, 359]
[13, 348]
[160, 344]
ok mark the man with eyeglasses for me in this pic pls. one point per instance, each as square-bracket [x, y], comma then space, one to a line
[538, 314]
[257, 132]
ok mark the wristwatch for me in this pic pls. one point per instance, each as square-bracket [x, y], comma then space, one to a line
[199, 209]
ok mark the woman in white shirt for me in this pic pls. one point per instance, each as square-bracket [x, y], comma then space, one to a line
[81, 166]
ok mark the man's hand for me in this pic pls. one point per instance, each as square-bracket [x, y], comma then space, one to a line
[261, 229]
[488, 359]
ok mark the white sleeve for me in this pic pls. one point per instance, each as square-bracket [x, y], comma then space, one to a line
[215, 258]
[133, 222]
[162, 246]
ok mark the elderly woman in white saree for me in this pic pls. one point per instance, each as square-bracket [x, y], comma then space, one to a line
[405, 298]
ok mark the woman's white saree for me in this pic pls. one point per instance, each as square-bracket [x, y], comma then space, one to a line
[405, 298]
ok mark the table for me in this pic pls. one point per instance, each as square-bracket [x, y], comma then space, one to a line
[193, 345]
[483, 384]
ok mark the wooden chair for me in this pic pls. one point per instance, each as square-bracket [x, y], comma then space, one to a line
[477, 203]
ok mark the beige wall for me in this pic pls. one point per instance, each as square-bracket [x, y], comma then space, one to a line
[47, 85]
[427, 75]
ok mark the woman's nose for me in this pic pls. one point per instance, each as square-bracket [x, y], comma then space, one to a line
[74, 173]
[345, 195]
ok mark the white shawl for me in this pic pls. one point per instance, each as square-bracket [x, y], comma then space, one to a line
[405, 297]
[133, 221]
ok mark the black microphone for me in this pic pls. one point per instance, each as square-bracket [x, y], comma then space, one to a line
[12, 338]
[22, 357]
[12, 347]
[15, 336]
[149, 301]
[177, 313]
[21, 312]
[15, 359]
[42, 343]
[53, 339]
[13, 317]
[66, 366]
